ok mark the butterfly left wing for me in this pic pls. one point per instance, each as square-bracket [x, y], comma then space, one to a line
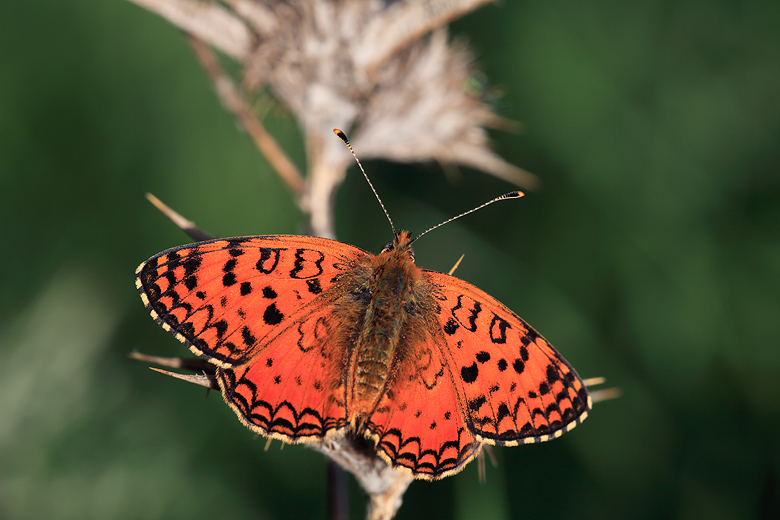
[293, 390]
[261, 309]
[225, 298]
[514, 386]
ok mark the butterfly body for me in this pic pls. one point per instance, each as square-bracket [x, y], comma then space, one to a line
[313, 337]
[388, 307]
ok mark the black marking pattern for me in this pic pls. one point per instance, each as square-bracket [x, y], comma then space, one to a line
[451, 326]
[272, 315]
[308, 263]
[472, 308]
[467, 316]
[189, 289]
[314, 285]
[281, 418]
[407, 452]
[269, 259]
[470, 373]
[498, 329]
[506, 400]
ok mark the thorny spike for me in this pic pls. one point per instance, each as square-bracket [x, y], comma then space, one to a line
[601, 395]
[456, 264]
[206, 381]
[343, 137]
[185, 225]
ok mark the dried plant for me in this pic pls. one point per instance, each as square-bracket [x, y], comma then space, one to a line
[383, 70]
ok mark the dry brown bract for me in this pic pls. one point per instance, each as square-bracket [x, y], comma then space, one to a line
[383, 71]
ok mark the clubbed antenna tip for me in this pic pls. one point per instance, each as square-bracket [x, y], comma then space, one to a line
[510, 195]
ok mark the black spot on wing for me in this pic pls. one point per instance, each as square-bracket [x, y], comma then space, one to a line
[229, 265]
[220, 327]
[503, 411]
[469, 374]
[483, 357]
[247, 337]
[314, 285]
[451, 326]
[272, 315]
[498, 329]
[191, 264]
[476, 404]
[191, 282]
[524, 352]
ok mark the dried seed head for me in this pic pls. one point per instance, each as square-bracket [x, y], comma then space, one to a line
[382, 70]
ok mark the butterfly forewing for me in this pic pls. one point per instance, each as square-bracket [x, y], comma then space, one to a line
[515, 387]
[226, 298]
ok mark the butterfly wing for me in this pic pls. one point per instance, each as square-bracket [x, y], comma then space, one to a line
[259, 308]
[513, 386]
[417, 425]
[294, 388]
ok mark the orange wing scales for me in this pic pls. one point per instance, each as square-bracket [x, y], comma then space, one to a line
[517, 388]
[312, 336]
[418, 426]
[259, 308]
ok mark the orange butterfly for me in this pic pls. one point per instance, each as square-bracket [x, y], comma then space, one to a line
[312, 336]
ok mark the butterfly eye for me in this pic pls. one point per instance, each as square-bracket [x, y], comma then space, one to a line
[387, 247]
[411, 254]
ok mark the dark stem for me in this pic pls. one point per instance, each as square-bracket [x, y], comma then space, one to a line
[338, 497]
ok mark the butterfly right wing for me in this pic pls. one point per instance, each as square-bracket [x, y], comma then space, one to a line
[260, 309]
[515, 386]
[418, 426]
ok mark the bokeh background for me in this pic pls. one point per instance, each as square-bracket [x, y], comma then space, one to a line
[651, 256]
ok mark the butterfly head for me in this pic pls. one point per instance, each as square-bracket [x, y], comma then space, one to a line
[402, 243]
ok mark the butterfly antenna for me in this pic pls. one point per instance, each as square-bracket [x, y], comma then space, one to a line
[510, 195]
[343, 137]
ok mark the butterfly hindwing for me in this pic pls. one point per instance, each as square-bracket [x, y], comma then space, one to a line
[417, 425]
[515, 387]
[294, 388]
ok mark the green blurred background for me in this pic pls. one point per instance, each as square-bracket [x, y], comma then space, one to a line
[651, 256]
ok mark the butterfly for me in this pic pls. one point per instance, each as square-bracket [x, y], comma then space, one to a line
[311, 337]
